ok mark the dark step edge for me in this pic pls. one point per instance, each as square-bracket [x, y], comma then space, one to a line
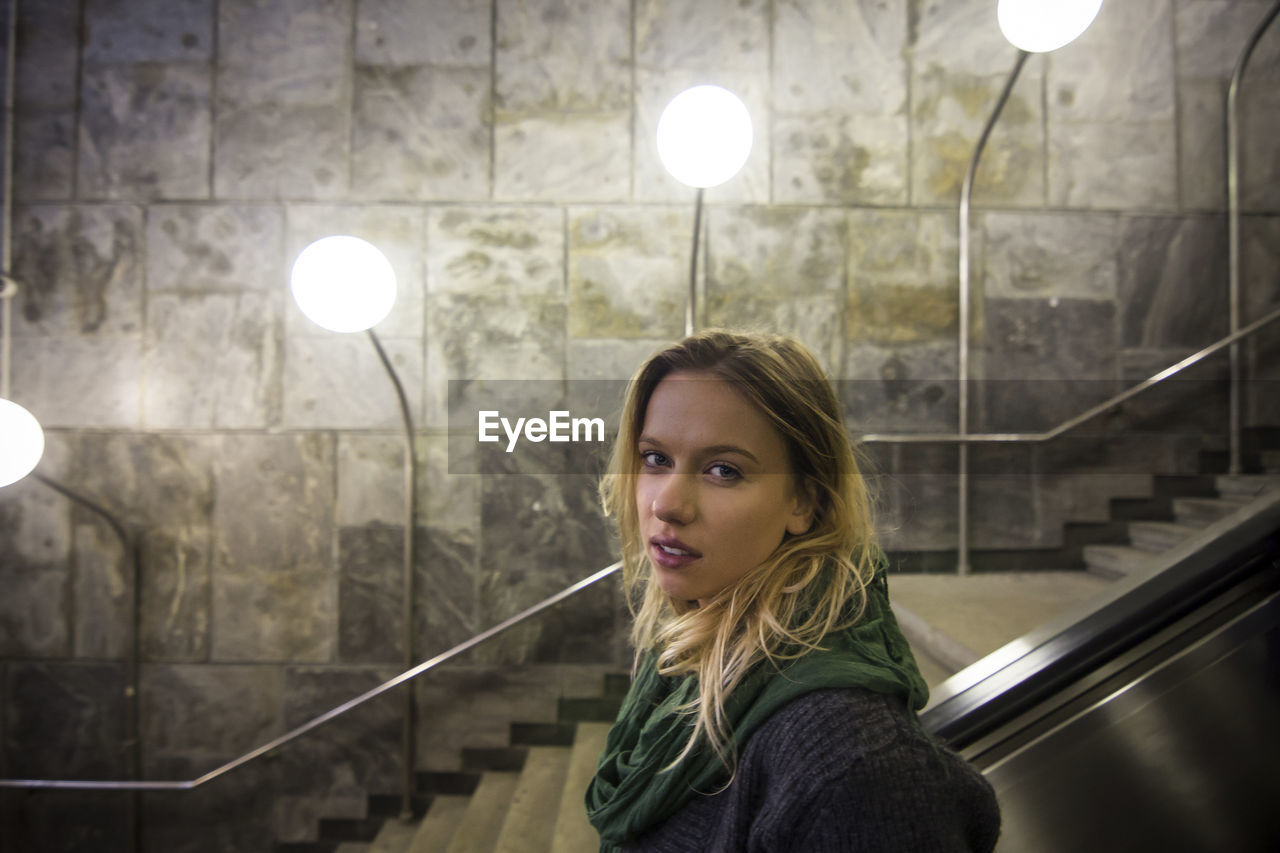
[482, 759]
[388, 805]
[446, 782]
[1219, 461]
[341, 829]
[542, 734]
[1263, 437]
[604, 710]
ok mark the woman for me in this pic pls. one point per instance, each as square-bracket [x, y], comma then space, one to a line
[774, 697]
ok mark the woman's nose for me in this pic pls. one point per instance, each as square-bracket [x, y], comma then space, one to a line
[674, 501]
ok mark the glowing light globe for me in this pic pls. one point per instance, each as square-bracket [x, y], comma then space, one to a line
[21, 442]
[704, 136]
[343, 283]
[1039, 26]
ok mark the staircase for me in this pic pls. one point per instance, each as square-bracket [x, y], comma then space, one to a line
[953, 621]
[521, 798]
[1150, 538]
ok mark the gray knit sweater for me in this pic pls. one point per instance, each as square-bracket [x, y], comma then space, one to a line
[838, 771]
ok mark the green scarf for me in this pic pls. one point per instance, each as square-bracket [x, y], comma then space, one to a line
[629, 794]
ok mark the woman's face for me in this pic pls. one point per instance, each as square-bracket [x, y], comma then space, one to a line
[715, 492]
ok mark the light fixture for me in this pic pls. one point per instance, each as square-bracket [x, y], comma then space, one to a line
[1039, 26]
[343, 283]
[23, 442]
[704, 139]
[21, 438]
[704, 136]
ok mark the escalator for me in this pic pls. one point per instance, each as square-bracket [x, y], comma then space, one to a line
[1148, 721]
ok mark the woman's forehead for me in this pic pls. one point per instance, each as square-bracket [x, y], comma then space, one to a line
[691, 412]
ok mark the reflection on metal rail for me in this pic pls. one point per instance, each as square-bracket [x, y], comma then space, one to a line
[1065, 426]
[292, 734]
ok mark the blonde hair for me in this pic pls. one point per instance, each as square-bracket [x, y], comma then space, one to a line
[813, 583]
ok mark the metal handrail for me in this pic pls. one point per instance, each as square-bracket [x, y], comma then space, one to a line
[467, 645]
[1065, 426]
[293, 734]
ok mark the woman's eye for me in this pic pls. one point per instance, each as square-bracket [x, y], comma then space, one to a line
[724, 472]
[652, 458]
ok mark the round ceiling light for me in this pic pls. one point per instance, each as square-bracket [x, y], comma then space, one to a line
[22, 440]
[1039, 26]
[704, 136]
[343, 283]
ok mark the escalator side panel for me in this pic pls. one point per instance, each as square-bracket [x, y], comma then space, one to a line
[1185, 756]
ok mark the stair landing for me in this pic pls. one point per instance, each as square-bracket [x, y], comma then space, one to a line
[979, 613]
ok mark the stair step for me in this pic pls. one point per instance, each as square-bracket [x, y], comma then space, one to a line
[394, 837]
[531, 817]
[1156, 537]
[1115, 561]
[478, 830]
[438, 827]
[1245, 486]
[1201, 512]
[574, 834]
[352, 847]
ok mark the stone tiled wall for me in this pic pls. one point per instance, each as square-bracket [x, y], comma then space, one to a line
[173, 156]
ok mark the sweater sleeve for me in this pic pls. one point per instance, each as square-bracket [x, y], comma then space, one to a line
[870, 812]
[850, 773]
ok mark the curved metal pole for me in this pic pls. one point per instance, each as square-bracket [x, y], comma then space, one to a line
[409, 720]
[8, 290]
[966, 193]
[1233, 227]
[8, 287]
[133, 556]
[292, 734]
[692, 301]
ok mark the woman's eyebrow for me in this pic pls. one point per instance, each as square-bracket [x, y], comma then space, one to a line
[711, 450]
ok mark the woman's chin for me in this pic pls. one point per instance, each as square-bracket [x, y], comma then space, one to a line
[673, 584]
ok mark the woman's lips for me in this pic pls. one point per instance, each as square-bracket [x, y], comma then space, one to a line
[662, 552]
